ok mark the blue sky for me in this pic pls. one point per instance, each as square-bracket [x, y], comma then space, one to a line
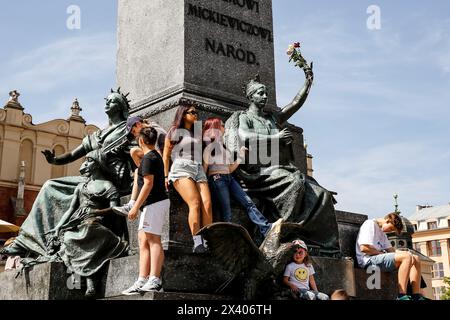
[377, 119]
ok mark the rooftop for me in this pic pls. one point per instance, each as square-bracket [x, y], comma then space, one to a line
[431, 212]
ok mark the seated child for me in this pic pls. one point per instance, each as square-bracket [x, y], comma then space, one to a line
[299, 275]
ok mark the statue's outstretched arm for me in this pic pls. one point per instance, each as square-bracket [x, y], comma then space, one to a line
[289, 110]
[66, 158]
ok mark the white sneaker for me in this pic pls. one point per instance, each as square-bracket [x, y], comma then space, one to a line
[153, 284]
[134, 289]
[123, 210]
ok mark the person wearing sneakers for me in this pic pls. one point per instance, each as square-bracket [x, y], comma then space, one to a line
[183, 146]
[134, 126]
[219, 166]
[299, 275]
[153, 199]
[374, 249]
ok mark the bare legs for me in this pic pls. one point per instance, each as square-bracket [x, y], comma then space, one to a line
[151, 255]
[137, 155]
[198, 199]
[206, 207]
[408, 270]
[144, 255]
[156, 253]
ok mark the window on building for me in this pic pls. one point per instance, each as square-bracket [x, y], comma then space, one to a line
[415, 226]
[432, 225]
[448, 223]
[438, 270]
[437, 292]
[434, 248]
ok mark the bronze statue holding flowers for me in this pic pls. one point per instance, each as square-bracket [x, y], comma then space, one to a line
[280, 188]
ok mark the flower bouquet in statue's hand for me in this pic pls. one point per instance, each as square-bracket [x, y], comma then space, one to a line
[295, 55]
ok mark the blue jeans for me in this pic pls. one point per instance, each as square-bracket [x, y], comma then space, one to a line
[222, 185]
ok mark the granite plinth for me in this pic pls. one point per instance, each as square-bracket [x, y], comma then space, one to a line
[348, 226]
[213, 48]
[49, 281]
[182, 272]
[366, 288]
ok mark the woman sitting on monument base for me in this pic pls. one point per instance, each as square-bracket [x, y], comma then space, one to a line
[280, 188]
[56, 195]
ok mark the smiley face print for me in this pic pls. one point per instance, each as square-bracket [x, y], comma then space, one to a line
[301, 274]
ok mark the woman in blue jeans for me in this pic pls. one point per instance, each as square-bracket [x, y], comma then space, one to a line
[219, 166]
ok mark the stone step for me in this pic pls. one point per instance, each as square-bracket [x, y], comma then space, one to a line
[48, 281]
[182, 272]
[332, 274]
[171, 296]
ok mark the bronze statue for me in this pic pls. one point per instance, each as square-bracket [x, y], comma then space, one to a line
[282, 190]
[261, 269]
[56, 195]
[87, 235]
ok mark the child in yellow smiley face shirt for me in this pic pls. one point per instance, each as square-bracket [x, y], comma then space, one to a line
[299, 275]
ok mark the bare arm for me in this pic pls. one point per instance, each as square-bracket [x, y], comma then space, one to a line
[239, 160]
[369, 250]
[166, 157]
[312, 283]
[288, 111]
[288, 284]
[143, 194]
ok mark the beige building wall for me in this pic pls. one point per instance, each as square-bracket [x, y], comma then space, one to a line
[22, 140]
[443, 236]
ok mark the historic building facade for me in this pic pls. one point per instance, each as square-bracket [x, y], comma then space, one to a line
[431, 238]
[23, 167]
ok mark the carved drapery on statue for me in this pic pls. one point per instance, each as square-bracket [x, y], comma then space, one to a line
[56, 196]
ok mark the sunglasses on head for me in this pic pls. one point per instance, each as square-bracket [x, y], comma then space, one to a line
[194, 113]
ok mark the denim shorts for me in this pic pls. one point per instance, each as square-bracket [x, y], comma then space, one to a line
[385, 261]
[185, 168]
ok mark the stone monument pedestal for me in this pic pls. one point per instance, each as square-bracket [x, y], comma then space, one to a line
[192, 276]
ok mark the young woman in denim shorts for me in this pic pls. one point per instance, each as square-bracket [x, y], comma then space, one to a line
[186, 173]
[219, 166]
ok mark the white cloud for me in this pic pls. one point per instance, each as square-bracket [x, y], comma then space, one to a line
[366, 182]
[68, 60]
[51, 76]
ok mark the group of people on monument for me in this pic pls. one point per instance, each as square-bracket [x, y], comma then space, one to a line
[207, 166]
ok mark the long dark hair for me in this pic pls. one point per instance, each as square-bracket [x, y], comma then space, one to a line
[178, 121]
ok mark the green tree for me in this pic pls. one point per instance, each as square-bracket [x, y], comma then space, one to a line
[446, 293]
